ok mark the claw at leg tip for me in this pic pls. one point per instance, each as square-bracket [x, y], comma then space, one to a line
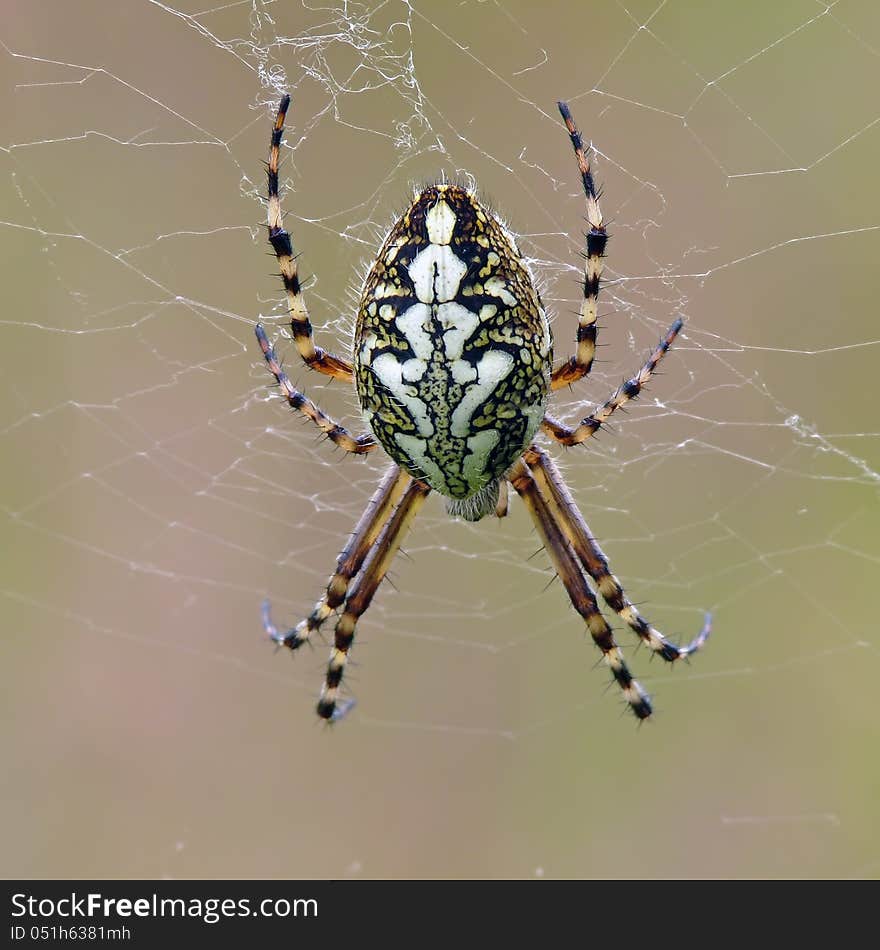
[701, 638]
[266, 617]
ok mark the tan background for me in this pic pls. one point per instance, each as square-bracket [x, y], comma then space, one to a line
[152, 496]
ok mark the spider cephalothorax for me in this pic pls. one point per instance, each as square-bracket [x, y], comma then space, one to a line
[453, 367]
[452, 349]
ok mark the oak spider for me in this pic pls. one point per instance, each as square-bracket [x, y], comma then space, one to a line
[453, 366]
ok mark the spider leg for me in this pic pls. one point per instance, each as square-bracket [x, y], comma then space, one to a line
[571, 575]
[589, 425]
[300, 325]
[335, 432]
[576, 531]
[579, 365]
[361, 594]
[349, 562]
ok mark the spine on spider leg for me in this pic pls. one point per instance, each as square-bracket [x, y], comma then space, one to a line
[596, 239]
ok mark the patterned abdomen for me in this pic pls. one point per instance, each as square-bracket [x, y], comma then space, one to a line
[452, 348]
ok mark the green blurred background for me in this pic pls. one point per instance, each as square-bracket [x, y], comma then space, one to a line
[152, 494]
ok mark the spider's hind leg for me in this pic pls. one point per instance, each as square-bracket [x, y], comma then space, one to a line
[361, 595]
[571, 575]
[594, 562]
[370, 525]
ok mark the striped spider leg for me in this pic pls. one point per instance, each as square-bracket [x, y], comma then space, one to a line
[361, 595]
[628, 390]
[370, 525]
[582, 598]
[300, 325]
[579, 365]
[571, 522]
[364, 561]
[337, 434]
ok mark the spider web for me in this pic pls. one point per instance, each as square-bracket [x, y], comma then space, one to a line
[155, 491]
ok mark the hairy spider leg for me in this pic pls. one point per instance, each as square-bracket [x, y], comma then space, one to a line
[571, 521]
[350, 561]
[337, 434]
[628, 390]
[572, 577]
[579, 365]
[361, 594]
[300, 325]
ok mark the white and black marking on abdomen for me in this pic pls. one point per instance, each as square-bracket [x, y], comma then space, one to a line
[452, 348]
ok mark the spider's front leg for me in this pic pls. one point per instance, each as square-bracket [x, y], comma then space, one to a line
[579, 365]
[300, 325]
[370, 525]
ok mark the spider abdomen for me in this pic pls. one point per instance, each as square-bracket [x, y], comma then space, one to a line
[452, 348]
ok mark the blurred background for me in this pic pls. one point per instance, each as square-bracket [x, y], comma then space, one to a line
[155, 489]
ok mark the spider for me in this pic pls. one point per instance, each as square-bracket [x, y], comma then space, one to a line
[453, 366]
